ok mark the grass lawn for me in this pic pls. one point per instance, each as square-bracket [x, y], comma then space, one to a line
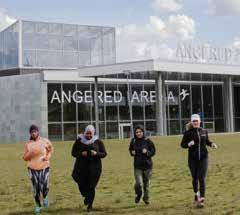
[171, 191]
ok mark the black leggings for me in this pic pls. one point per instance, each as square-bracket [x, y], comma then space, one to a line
[87, 182]
[40, 181]
[198, 170]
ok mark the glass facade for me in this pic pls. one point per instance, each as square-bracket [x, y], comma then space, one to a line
[66, 45]
[9, 47]
[71, 106]
[185, 99]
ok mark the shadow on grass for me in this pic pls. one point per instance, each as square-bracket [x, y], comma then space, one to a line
[72, 210]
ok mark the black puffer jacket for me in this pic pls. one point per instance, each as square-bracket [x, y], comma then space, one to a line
[200, 137]
[142, 161]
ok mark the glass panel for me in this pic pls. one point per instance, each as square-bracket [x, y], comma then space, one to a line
[112, 130]
[208, 102]
[220, 126]
[69, 106]
[237, 101]
[174, 127]
[150, 105]
[29, 58]
[196, 76]
[137, 101]
[196, 100]
[173, 101]
[101, 103]
[84, 107]
[55, 28]
[218, 101]
[54, 102]
[123, 105]
[111, 102]
[237, 124]
[28, 27]
[185, 101]
[102, 130]
[70, 131]
[55, 132]
[42, 28]
[150, 128]
[70, 44]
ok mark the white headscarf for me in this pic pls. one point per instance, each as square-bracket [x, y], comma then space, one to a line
[83, 137]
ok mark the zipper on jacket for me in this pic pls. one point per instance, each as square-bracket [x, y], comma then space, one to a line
[199, 145]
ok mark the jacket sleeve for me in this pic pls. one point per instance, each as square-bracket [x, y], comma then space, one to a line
[102, 151]
[49, 149]
[26, 154]
[76, 150]
[185, 140]
[131, 147]
[208, 142]
[151, 150]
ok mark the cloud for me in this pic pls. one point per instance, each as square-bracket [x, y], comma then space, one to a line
[224, 7]
[150, 40]
[167, 5]
[5, 19]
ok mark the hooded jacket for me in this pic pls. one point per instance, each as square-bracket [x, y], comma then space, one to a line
[142, 161]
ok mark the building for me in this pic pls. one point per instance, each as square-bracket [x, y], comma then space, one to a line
[63, 77]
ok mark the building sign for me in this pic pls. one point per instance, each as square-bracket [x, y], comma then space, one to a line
[111, 97]
[108, 96]
[207, 54]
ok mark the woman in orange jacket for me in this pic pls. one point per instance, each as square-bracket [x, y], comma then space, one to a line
[37, 153]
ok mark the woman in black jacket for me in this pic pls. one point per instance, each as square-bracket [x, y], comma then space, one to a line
[142, 149]
[195, 139]
[88, 151]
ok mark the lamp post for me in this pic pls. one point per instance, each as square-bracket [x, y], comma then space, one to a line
[128, 73]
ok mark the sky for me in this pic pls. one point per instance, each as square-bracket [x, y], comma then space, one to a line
[144, 28]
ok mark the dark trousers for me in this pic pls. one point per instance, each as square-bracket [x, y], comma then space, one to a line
[87, 183]
[198, 170]
[40, 182]
[142, 178]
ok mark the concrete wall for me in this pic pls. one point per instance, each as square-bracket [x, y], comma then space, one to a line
[23, 101]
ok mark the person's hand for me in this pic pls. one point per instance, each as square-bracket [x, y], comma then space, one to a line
[144, 151]
[214, 146]
[93, 153]
[84, 153]
[45, 158]
[190, 144]
[133, 152]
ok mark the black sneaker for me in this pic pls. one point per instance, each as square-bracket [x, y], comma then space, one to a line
[146, 202]
[138, 198]
[89, 208]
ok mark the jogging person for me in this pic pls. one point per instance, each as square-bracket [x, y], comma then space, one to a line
[142, 149]
[195, 139]
[88, 150]
[37, 153]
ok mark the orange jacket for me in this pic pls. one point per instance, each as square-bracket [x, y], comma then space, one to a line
[37, 153]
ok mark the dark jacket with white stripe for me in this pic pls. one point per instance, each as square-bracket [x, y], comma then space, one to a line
[200, 137]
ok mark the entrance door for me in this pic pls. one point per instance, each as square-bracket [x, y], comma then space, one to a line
[124, 130]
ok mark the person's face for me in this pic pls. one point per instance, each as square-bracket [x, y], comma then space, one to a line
[88, 135]
[34, 134]
[139, 133]
[196, 123]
